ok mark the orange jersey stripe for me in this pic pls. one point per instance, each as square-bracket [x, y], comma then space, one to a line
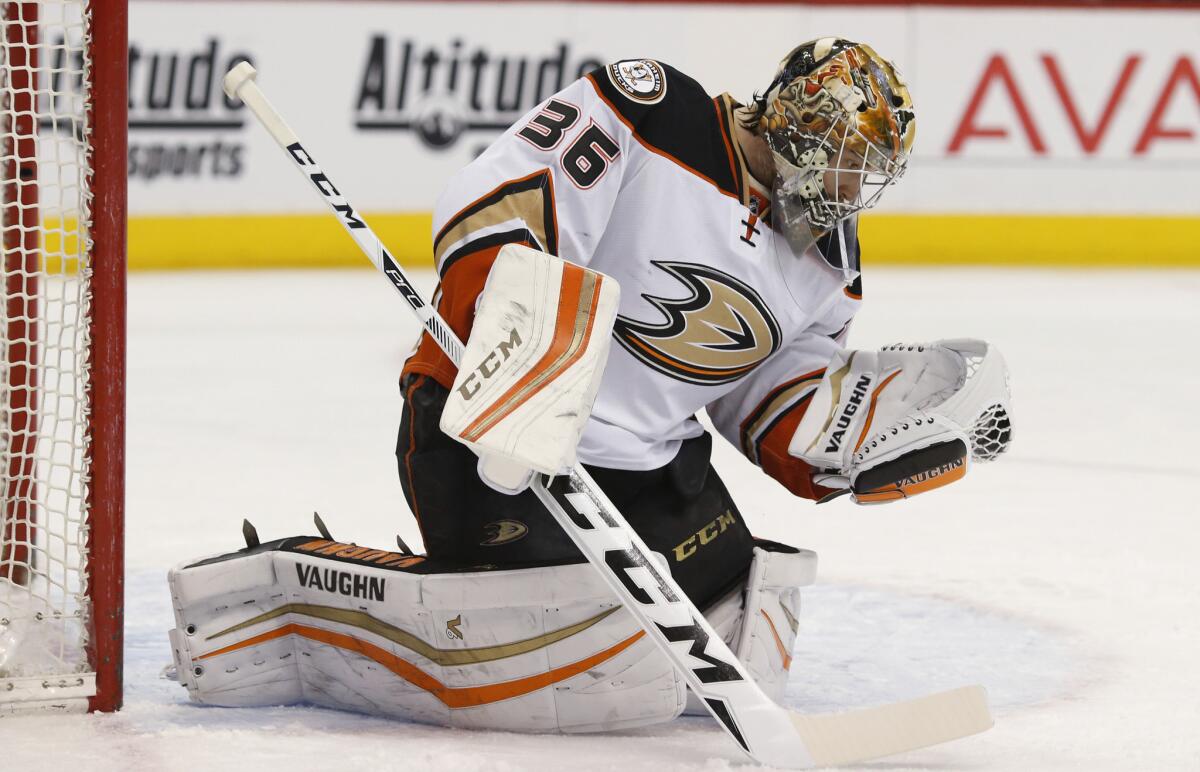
[791, 472]
[698, 370]
[762, 411]
[460, 287]
[733, 172]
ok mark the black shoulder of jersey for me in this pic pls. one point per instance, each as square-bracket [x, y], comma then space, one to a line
[671, 113]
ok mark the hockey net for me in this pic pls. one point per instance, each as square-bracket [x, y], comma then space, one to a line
[61, 355]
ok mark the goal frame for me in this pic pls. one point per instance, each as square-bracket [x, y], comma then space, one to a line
[104, 434]
[106, 495]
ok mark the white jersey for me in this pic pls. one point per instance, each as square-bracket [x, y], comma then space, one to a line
[634, 171]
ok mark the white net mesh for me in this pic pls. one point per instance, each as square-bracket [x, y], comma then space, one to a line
[991, 434]
[45, 175]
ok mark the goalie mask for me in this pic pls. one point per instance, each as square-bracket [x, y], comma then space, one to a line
[840, 125]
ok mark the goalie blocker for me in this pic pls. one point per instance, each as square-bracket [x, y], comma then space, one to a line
[532, 366]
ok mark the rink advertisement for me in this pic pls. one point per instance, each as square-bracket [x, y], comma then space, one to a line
[1059, 136]
[181, 125]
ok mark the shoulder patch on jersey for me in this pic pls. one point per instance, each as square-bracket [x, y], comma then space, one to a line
[670, 114]
[718, 333]
[642, 80]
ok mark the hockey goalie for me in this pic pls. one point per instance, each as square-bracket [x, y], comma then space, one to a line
[630, 252]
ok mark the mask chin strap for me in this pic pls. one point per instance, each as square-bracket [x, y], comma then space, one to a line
[847, 274]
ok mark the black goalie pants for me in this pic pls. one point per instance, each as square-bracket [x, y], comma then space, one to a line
[681, 510]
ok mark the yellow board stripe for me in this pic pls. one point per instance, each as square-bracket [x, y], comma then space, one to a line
[1051, 241]
[272, 241]
[1030, 240]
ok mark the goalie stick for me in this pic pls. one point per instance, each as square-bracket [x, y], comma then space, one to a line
[767, 732]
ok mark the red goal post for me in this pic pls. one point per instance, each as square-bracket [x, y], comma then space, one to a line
[62, 354]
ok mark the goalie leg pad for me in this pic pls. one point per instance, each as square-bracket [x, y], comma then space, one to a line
[306, 620]
[759, 621]
[772, 612]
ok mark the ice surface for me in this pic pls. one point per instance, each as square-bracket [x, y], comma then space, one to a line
[1063, 577]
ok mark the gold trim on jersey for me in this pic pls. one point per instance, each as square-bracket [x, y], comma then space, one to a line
[528, 200]
[779, 401]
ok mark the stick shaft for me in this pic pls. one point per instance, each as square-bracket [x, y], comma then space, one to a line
[240, 83]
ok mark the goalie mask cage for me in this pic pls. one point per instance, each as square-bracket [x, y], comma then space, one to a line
[62, 354]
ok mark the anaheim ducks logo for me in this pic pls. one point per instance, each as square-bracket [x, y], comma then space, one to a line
[720, 332]
[642, 80]
[503, 531]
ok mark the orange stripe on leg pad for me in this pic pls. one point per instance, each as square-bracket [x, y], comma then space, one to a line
[783, 652]
[452, 697]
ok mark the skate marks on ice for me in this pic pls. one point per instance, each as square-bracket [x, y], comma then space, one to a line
[862, 645]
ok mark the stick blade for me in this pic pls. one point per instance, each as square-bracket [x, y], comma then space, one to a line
[847, 738]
